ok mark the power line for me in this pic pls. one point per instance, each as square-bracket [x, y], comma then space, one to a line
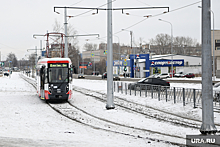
[155, 16]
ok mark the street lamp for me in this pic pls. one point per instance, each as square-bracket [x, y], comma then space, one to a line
[131, 45]
[171, 45]
[119, 48]
[213, 44]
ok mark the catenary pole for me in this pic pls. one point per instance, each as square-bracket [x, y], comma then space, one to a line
[65, 24]
[208, 125]
[110, 103]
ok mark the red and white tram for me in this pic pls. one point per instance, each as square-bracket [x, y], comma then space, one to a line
[54, 79]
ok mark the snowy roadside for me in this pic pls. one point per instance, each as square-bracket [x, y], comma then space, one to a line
[28, 121]
[178, 108]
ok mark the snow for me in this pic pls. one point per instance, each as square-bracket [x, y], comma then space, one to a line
[28, 121]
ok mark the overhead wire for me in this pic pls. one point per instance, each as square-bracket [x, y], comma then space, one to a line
[102, 38]
[154, 16]
[86, 12]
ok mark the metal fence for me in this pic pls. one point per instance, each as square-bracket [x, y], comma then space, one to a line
[175, 94]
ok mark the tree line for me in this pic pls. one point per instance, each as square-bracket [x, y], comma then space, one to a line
[160, 44]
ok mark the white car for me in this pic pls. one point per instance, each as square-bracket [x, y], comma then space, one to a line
[164, 75]
[179, 74]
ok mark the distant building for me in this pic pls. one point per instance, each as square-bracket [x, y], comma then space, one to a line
[216, 51]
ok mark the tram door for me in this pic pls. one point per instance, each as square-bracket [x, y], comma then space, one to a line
[42, 81]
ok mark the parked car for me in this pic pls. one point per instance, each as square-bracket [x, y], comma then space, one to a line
[6, 72]
[148, 81]
[154, 75]
[189, 75]
[104, 75]
[179, 74]
[116, 77]
[80, 76]
[163, 75]
[216, 92]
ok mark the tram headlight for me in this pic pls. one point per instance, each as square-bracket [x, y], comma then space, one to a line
[50, 88]
[67, 88]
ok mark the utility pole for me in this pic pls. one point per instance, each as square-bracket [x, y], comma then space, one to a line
[208, 125]
[110, 96]
[66, 47]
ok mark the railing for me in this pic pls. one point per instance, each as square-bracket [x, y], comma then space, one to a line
[175, 94]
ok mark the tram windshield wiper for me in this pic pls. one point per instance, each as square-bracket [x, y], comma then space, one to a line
[62, 82]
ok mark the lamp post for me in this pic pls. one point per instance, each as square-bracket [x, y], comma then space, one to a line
[131, 46]
[119, 51]
[213, 44]
[171, 45]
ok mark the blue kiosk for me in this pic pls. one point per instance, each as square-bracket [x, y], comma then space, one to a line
[147, 63]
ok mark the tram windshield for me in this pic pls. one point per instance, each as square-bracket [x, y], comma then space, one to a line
[58, 73]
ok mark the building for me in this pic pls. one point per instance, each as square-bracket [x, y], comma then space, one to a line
[182, 63]
[216, 46]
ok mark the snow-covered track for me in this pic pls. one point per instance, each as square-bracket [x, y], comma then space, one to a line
[74, 113]
[83, 117]
[29, 80]
[145, 110]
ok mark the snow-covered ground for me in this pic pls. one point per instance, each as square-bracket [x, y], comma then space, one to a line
[178, 108]
[28, 121]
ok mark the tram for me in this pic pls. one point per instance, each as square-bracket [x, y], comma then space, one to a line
[54, 79]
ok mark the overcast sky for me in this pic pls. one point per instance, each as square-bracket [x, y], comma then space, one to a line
[21, 19]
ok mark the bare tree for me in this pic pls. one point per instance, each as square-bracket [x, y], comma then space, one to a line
[90, 47]
[12, 59]
[163, 42]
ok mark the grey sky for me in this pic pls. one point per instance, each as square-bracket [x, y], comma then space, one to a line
[21, 19]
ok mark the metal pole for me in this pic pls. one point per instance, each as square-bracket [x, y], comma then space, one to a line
[110, 103]
[41, 48]
[118, 54]
[94, 66]
[133, 51]
[65, 24]
[213, 50]
[171, 45]
[208, 125]
[172, 48]
[78, 64]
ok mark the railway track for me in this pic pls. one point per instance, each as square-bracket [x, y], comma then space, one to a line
[79, 115]
[146, 110]
[84, 117]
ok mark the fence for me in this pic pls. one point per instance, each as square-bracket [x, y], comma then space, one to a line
[175, 94]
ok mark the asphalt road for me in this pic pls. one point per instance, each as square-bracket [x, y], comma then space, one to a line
[92, 77]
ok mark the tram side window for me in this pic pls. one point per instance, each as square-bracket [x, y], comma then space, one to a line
[46, 80]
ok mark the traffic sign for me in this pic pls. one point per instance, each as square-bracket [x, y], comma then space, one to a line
[92, 54]
[125, 63]
[125, 60]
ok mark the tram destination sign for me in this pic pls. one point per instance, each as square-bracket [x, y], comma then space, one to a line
[55, 65]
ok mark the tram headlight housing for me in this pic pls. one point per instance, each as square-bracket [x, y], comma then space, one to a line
[50, 88]
[67, 88]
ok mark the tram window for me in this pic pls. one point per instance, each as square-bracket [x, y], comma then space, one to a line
[58, 75]
[46, 80]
